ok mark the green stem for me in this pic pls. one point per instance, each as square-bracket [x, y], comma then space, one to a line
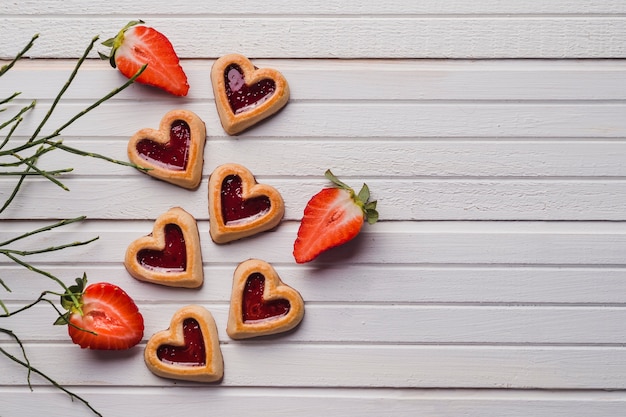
[23, 147]
[33, 303]
[75, 151]
[26, 364]
[44, 229]
[18, 115]
[30, 267]
[21, 345]
[60, 94]
[69, 122]
[97, 103]
[45, 174]
[16, 189]
[10, 98]
[19, 55]
[56, 172]
[49, 249]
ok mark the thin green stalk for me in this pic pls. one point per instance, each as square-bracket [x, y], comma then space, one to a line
[31, 369]
[44, 229]
[62, 317]
[2, 305]
[10, 98]
[19, 160]
[21, 345]
[19, 55]
[18, 186]
[42, 297]
[75, 151]
[58, 131]
[20, 148]
[67, 84]
[56, 172]
[32, 268]
[106, 97]
[10, 134]
[16, 252]
[45, 174]
[18, 115]
[24, 166]
[16, 189]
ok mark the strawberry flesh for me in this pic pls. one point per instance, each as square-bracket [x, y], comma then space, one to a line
[331, 218]
[137, 45]
[108, 319]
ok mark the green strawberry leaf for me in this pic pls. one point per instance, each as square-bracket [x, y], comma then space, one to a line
[62, 320]
[364, 194]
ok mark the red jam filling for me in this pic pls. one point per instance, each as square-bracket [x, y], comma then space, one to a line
[174, 154]
[254, 307]
[243, 97]
[235, 208]
[193, 353]
[171, 259]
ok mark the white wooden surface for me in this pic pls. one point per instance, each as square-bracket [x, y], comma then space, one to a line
[493, 285]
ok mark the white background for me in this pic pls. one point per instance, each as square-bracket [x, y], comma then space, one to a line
[492, 135]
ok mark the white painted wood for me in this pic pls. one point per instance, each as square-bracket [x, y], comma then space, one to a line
[250, 364]
[402, 119]
[442, 284]
[421, 199]
[478, 243]
[192, 401]
[577, 80]
[389, 324]
[339, 36]
[319, 7]
[492, 286]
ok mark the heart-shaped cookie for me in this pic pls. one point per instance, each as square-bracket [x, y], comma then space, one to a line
[174, 153]
[244, 94]
[239, 206]
[170, 255]
[189, 349]
[261, 304]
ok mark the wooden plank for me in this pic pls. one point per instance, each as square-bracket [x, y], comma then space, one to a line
[421, 159]
[341, 37]
[385, 243]
[319, 7]
[421, 199]
[272, 402]
[367, 283]
[342, 365]
[393, 324]
[375, 79]
[359, 119]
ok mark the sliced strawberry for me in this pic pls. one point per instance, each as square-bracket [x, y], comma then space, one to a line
[134, 46]
[102, 316]
[331, 218]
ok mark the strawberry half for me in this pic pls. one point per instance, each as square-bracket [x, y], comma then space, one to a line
[101, 316]
[135, 46]
[331, 218]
